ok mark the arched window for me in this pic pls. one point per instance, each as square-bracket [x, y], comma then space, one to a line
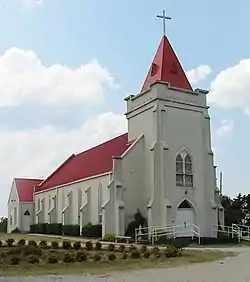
[179, 170]
[184, 170]
[188, 171]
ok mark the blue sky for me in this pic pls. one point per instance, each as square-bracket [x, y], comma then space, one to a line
[122, 36]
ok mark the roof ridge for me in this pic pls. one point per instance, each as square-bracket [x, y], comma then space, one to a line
[101, 144]
[63, 164]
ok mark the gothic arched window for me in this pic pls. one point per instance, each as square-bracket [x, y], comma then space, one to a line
[179, 170]
[184, 170]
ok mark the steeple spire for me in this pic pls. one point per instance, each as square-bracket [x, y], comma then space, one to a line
[166, 66]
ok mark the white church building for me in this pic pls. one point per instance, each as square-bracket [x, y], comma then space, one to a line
[163, 166]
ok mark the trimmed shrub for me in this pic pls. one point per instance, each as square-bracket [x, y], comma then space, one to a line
[132, 248]
[143, 249]
[14, 260]
[68, 258]
[77, 245]
[33, 259]
[155, 250]
[146, 254]
[43, 244]
[124, 256]
[135, 254]
[52, 258]
[81, 256]
[54, 229]
[111, 247]
[66, 245]
[109, 238]
[32, 243]
[97, 257]
[10, 242]
[171, 251]
[122, 248]
[40, 228]
[21, 242]
[54, 245]
[92, 231]
[98, 246]
[15, 251]
[89, 246]
[71, 230]
[157, 255]
[111, 256]
[31, 250]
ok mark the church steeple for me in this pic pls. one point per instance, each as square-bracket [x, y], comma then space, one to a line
[166, 66]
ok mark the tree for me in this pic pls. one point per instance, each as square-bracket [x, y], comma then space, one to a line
[3, 224]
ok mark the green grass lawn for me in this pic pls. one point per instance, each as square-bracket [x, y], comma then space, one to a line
[104, 267]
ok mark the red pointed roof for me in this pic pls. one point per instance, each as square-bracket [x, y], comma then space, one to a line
[89, 163]
[167, 68]
[25, 188]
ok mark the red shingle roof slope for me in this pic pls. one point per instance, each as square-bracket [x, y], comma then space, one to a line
[94, 161]
[25, 188]
[167, 68]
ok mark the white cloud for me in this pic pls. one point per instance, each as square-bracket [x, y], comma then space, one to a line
[36, 153]
[231, 87]
[198, 74]
[226, 129]
[24, 78]
[32, 3]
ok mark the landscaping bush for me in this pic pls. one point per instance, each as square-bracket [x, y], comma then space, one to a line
[66, 245]
[111, 256]
[146, 254]
[43, 244]
[135, 254]
[31, 250]
[172, 251]
[111, 247]
[143, 249]
[98, 246]
[54, 245]
[92, 231]
[109, 238]
[155, 250]
[33, 259]
[52, 258]
[122, 248]
[71, 230]
[81, 256]
[54, 228]
[14, 260]
[97, 257]
[14, 251]
[77, 245]
[68, 258]
[10, 242]
[40, 228]
[132, 248]
[124, 256]
[157, 255]
[32, 243]
[21, 242]
[1, 243]
[89, 246]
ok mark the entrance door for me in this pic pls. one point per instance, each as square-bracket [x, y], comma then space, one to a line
[185, 217]
[26, 221]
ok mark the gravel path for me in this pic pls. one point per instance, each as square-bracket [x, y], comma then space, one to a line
[235, 269]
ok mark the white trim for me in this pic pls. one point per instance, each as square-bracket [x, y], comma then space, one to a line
[74, 182]
[132, 145]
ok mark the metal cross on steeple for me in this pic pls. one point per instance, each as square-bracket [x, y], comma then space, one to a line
[164, 19]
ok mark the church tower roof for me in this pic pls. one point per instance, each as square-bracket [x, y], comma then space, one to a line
[166, 68]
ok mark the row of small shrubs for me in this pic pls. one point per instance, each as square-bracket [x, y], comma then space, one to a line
[55, 229]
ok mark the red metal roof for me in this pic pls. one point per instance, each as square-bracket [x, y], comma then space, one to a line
[25, 188]
[167, 68]
[94, 161]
